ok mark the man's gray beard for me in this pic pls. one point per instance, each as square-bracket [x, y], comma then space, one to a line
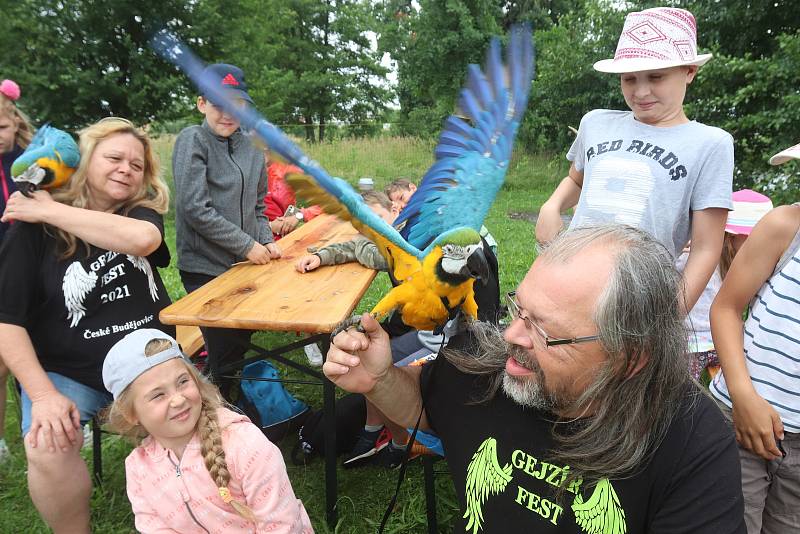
[529, 391]
[526, 391]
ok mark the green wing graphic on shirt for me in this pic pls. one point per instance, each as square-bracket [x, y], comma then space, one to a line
[602, 513]
[485, 477]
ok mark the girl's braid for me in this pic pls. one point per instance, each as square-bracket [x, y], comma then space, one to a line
[214, 458]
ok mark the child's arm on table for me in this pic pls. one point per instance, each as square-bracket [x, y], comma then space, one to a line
[359, 249]
[756, 422]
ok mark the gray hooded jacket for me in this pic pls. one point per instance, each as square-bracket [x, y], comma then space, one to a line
[220, 184]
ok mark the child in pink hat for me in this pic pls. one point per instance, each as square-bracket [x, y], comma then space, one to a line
[651, 167]
[748, 208]
[760, 377]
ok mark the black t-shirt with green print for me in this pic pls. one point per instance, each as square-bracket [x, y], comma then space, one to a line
[497, 453]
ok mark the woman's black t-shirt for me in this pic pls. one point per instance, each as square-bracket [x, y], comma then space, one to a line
[75, 309]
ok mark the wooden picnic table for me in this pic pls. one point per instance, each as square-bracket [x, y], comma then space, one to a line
[275, 297]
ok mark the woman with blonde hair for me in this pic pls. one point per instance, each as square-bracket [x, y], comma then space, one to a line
[200, 467]
[78, 272]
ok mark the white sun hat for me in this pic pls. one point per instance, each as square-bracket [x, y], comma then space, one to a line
[793, 152]
[656, 38]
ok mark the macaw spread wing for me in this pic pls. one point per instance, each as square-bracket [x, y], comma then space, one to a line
[485, 477]
[602, 513]
[474, 149]
[351, 207]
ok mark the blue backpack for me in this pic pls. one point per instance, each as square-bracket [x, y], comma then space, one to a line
[267, 403]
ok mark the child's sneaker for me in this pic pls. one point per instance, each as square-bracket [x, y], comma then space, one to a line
[5, 454]
[391, 456]
[368, 445]
[313, 354]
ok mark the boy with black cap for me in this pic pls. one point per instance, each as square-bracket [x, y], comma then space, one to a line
[220, 184]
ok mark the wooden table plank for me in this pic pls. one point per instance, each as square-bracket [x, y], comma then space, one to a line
[275, 296]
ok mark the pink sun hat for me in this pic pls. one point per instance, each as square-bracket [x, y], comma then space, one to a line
[748, 208]
[793, 152]
[655, 38]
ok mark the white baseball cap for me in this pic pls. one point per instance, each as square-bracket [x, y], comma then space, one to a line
[126, 360]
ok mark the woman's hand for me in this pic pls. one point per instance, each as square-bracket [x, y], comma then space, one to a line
[308, 263]
[757, 424]
[55, 422]
[35, 209]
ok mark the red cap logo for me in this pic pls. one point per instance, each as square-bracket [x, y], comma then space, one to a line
[229, 80]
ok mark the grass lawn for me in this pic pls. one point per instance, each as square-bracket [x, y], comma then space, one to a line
[363, 493]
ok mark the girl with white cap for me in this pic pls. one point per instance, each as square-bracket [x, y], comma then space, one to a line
[200, 468]
[760, 377]
[651, 167]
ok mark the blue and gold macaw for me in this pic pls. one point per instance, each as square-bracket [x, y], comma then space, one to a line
[48, 162]
[437, 255]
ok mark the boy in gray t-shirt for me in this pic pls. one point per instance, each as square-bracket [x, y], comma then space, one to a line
[650, 177]
[651, 167]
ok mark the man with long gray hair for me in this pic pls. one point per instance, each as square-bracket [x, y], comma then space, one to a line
[580, 417]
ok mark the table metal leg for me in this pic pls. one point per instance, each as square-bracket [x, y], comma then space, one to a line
[329, 414]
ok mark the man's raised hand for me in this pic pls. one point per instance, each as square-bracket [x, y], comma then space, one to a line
[358, 361]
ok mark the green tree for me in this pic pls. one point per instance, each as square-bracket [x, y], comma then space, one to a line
[433, 42]
[432, 46]
[308, 61]
[81, 60]
[566, 86]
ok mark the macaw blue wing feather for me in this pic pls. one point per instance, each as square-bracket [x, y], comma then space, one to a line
[474, 150]
[329, 190]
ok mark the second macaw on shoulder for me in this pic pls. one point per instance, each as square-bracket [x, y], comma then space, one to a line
[434, 270]
[48, 162]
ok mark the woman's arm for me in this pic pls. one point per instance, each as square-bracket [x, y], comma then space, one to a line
[755, 421]
[103, 230]
[708, 230]
[51, 412]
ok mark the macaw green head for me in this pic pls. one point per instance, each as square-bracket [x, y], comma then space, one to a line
[462, 255]
[49, 160]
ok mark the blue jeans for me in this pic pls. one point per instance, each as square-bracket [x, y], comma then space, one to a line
[89, 400]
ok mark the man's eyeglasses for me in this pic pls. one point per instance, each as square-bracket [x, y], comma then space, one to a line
[516, 311]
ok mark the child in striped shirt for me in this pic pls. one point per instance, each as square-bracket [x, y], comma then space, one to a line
[760, 357]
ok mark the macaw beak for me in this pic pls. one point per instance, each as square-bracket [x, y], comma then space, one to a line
[477, 267]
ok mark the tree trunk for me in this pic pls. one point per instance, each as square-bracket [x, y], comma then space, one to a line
[321, 128]
[309, 125]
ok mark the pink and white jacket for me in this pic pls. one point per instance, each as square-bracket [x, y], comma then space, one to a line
[174, 496]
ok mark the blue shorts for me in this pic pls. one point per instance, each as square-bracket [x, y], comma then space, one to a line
[89, 400]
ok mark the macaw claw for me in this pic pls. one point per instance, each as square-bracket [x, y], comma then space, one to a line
[26, 188]
[347, 324]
